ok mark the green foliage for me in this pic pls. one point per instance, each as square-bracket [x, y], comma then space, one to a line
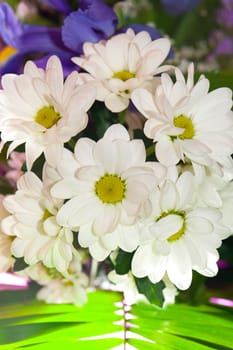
[152, 291]
[123, 262]
[220, 79]
[38, 326]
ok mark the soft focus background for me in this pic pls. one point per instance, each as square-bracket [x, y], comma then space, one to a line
[201, 31]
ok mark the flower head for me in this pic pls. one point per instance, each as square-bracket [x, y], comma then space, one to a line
[109, 184]
[33, 228]
[123, 63]
[21, 40]
[6, 259]
[92, 22]
[186, 121]
[58, 288]
[37, 108]
[181, 236]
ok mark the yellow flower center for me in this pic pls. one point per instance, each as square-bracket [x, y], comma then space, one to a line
[124, 75]
[184, 122]
[52, 272]
[110, 189]
[175, 236]
[47, 117]
[6, 53]
[46, 215]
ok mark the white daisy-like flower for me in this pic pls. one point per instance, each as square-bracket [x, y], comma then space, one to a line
[110, 183]
[215, 190]
[41, 110]
[226, 207]
[33, 226]
[6, 259]
[186, 120]
[124, 62]
[183, 237]
[58, 288]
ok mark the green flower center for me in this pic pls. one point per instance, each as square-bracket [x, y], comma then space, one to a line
[110, 189]
[175, 236]
[47, 117]
[184, 122]
[124, 75]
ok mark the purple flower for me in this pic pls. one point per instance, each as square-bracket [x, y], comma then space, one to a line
[177, 7]
[225, 46]
[224, 15]
[93, 21]
[25, 39]
[60, 5]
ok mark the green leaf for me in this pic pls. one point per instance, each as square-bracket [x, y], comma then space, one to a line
[38, 326]
[20, 264]
[152, 291]
[123, 262]
[184, 327]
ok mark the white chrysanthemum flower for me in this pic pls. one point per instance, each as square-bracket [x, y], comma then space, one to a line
[60, 288]
[183, 237]
[37, 108]
[110, 184]
[6, 259]
[226, 208]
[215, 191]
[187, 121]
[124, 62]
[33, 224]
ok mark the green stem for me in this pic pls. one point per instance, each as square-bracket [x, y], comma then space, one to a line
[150, 150]
[121, 117]
[71, 144]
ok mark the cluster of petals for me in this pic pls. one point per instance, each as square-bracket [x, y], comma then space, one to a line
[107, 183]
[6, 259]
[186, 121]
[121, 64]
[41, 110]
[58, 288]
[32, 226]
[181, 236]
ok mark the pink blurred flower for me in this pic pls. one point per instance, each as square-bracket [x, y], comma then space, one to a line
[15, 164]
[9, 281]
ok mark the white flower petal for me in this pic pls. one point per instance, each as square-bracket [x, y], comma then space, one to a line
[179, 266]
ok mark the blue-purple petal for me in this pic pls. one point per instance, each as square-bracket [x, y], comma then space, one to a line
[10, 28]
[40, 39]
[93, 21]
[60, 5]
[65, 58]
[13, 65]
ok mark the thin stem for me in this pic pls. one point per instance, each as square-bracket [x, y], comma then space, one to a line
[121, 117]
[125, 323]
[93, 272]
[150, 150]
